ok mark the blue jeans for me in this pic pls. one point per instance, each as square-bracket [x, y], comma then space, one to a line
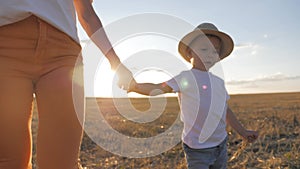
[208, 158]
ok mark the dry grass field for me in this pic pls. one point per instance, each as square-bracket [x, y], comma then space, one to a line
[276, 116]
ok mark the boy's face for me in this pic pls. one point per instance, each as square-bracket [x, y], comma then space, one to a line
[204, 52]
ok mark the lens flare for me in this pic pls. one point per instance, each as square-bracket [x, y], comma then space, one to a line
[184, 83]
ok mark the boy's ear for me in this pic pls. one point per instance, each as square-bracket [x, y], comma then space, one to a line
[189, 53]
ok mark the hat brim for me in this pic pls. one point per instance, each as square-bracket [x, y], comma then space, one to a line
[227, 42]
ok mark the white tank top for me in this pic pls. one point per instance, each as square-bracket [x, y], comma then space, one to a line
[59, 13]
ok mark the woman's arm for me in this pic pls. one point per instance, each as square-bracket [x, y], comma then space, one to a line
[93, 27]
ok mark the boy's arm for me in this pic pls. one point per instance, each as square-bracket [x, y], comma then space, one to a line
[231, 119]
[151, 89]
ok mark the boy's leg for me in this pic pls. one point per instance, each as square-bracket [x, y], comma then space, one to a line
[222, 157]
[198, 158]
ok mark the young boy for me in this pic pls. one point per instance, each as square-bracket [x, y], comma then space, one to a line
[203, 98]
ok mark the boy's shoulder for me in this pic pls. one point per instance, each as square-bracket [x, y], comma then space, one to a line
[196, 74]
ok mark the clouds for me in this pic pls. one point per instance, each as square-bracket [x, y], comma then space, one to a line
[267, 78]
[250, 48]
[253, 47]
[273, 83]
[247, 49]
[243, 45]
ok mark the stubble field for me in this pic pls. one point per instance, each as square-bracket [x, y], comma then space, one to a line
[275, 116]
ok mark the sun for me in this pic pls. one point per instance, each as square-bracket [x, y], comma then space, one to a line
[104, 80]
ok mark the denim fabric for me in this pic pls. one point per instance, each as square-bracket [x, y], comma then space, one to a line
[208, 158]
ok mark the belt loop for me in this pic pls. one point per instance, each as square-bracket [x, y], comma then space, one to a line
[41, 45]
[42, 29]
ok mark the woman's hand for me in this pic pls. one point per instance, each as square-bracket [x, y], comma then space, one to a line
[126, 80]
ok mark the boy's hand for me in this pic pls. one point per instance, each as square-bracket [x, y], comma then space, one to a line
[250, 136]
[132, 87]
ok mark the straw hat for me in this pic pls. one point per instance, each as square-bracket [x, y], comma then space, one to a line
[206, 29]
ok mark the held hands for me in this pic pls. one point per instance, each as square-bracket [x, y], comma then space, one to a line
[126, 80]
[133, 87]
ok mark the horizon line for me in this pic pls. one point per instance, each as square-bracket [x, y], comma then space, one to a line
[262, 93]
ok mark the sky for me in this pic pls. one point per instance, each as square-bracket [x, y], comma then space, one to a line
[265, 32]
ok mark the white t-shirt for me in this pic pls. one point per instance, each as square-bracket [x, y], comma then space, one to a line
[59, 13]
[203, 102]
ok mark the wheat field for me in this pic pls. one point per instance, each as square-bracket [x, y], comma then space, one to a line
[275, 116]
